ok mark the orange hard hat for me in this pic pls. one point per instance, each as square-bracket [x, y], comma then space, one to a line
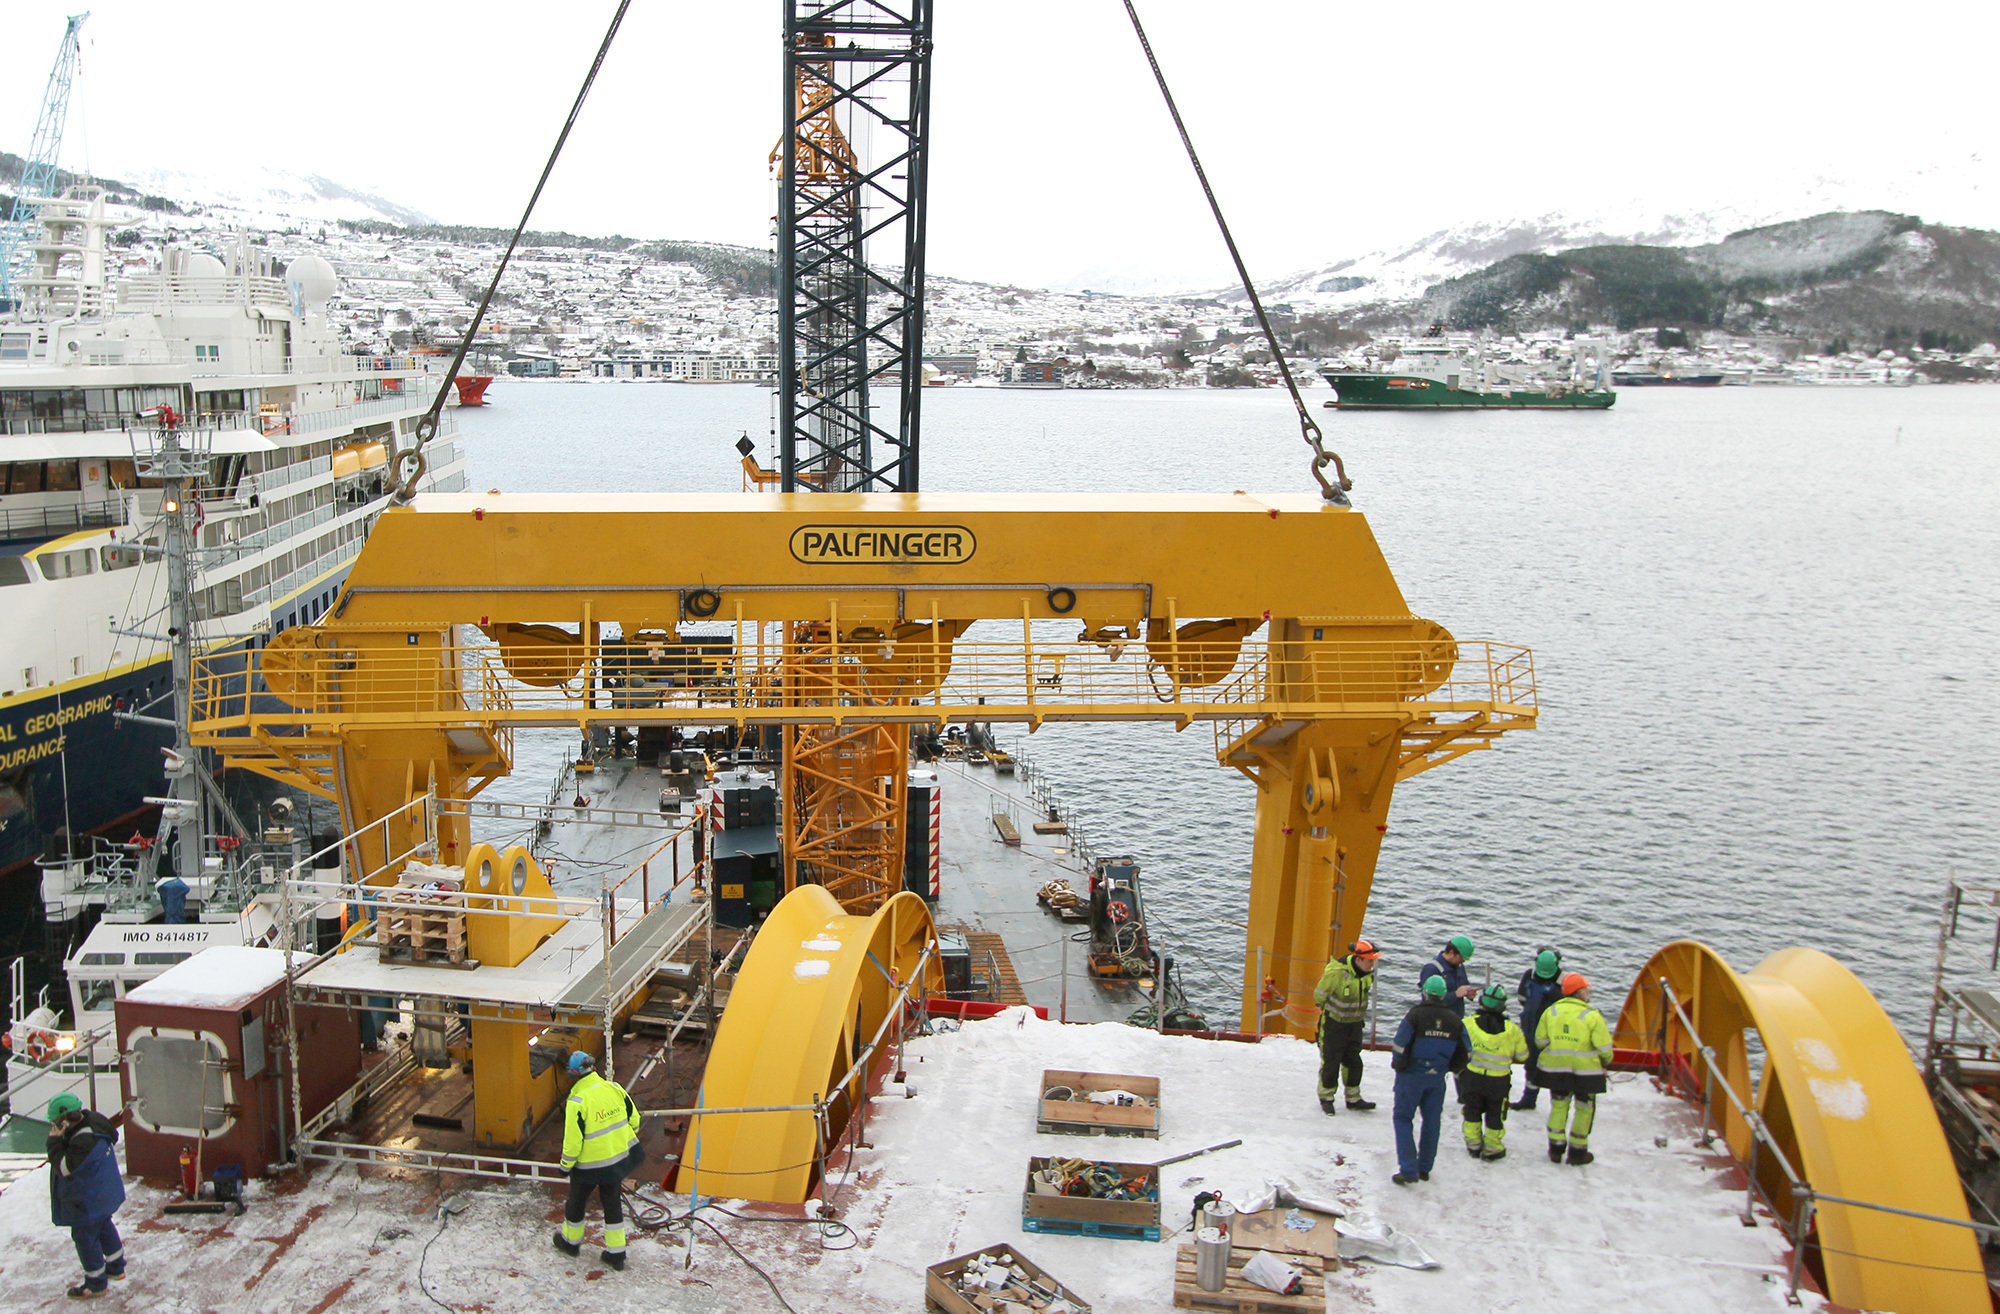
[1574, 981]
[1365, 949]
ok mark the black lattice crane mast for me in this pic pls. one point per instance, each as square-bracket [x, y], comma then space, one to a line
[850, 339]
[851, 243]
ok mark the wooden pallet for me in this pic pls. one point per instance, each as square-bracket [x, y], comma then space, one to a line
[1086, 1227]
[1247, 1297]
[433, 936]
[1005, 825]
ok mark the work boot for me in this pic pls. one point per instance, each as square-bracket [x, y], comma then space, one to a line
[1578, 1156]
[1328, 1107]
[570, 1248]
[84, 1291]
[615, 1258]
[1476, 1151]
[1358, 1104]
[1556, 1149]
[1400, 1179]
[1527, 1100]
[1423, 1177]
[1495, 1156]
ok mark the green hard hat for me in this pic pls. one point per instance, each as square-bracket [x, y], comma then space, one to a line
[1547, 963]
[1493, 997]
[1434, 986]
[1462, 943]
[63, 1103]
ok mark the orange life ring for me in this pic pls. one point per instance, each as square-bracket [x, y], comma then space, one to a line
[41, 1046]
[1118, 912]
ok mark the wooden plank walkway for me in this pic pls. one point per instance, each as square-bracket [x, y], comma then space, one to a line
[981, 942]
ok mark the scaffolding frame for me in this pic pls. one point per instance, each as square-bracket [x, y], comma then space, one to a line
[314, 1138]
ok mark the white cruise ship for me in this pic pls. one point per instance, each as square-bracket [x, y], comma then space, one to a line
[301, 438]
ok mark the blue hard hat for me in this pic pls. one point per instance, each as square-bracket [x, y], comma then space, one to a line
[580, 1063]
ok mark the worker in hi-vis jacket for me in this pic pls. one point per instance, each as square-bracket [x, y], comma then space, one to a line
[600, 1145]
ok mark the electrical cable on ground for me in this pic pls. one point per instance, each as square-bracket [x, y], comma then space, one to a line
[444, 1221]
[652, 1215]
[1334, 492]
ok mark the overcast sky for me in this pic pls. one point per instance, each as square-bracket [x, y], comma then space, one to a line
[1329, 130]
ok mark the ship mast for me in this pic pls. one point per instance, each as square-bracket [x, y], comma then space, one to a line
[179, 462]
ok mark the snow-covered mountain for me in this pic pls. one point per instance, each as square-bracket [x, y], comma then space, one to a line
[1402, 272]
[255, 196]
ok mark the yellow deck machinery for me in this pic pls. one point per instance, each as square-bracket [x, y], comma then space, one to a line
[1273, 620]
[1837, 1132]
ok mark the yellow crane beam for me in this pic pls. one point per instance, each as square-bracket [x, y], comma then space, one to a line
[1275, 619]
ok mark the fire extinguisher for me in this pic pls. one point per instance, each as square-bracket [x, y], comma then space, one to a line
[188, 1183]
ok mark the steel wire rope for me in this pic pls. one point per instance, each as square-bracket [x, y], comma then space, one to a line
[427, 426]
[1335, 493]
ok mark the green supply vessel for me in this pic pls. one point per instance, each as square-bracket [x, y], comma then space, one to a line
[1434, 376]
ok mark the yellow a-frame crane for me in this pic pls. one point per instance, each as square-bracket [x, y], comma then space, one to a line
[1273, 619]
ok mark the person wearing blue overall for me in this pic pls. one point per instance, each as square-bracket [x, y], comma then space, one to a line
[85, 1190]
[1429, 1046]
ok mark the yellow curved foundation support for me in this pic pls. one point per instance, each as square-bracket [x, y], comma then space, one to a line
[1844, 1100]
[812, 991]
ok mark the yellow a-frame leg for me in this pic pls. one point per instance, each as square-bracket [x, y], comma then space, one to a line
[1322, 808]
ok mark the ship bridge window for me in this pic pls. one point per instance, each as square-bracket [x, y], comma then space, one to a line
[13, 346]
[96, 996]
[66, 565]
[12, 571]
[102, 960]
[119, 556]
[160, 960]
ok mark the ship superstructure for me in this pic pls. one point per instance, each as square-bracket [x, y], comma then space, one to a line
[297, 442]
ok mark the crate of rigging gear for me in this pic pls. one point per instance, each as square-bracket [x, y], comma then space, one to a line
[1098, 1104]
[997, 1280]
[1087, 1197]
[421, 918]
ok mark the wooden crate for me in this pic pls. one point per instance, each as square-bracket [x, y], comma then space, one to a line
[1247, 1297]
[1080, 1118]
[940, 1294]
[1076, 1215]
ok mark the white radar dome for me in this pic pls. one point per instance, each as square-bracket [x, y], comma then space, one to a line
[203, 265]
[315, 279]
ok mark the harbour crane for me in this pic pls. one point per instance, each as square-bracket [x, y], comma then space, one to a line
[38, 172]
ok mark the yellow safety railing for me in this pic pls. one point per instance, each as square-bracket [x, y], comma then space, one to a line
[379, 681]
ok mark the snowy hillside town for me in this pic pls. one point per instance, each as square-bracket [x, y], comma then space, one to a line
[607, 308]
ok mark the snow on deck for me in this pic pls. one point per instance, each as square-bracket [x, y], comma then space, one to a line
[1644, 1228]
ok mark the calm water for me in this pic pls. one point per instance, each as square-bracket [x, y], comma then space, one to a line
[1763, 621]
